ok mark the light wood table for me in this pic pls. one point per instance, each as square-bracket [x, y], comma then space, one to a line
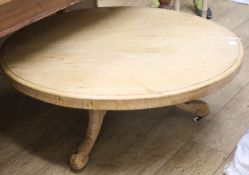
[121, 59]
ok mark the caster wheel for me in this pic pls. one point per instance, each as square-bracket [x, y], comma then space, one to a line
[197, 119]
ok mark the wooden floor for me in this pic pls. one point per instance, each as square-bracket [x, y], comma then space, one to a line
[38, 138]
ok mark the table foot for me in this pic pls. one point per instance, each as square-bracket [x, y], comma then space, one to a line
[199, 108]
[80, 158]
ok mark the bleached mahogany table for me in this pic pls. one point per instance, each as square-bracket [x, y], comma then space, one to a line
[121, 59]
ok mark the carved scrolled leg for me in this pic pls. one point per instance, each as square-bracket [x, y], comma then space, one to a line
[80, 158]
[199, 108]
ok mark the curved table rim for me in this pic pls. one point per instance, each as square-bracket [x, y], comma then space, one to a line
[153, 101]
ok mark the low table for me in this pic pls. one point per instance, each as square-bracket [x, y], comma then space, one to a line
[121, 59]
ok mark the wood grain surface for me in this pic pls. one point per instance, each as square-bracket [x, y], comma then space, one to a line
[121, 58]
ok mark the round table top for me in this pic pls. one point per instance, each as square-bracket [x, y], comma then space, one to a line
[121, 58]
